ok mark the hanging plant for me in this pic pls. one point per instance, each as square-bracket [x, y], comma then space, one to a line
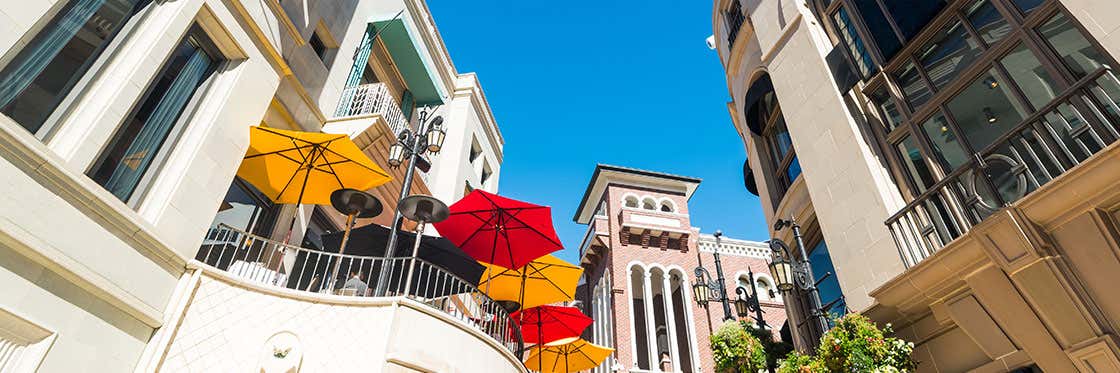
[736, 350]
[855, 344]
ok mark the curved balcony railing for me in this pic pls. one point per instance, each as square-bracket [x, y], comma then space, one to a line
[267, 262]
[1080, 122]
[372, 99]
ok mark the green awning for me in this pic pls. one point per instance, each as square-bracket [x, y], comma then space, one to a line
[405, 54]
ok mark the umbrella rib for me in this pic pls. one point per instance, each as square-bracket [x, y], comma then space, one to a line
[269, 130]
[333, 172]
[473, 234]
[382, 173]
[296, 148]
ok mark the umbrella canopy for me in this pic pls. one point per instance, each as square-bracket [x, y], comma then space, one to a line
[499, 230]
[367, 244]
[305, 167]
[545, 324]
[545, 280]
[575, 356]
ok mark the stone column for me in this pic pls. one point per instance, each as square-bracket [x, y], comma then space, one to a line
[651, 331]
[670, 321]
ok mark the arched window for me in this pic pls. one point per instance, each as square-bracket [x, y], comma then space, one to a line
[630, 201]
[765, 114]
[667, 206]
[649, 204]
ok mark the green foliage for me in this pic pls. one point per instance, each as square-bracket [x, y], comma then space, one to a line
[775, 350]
[795, 362]
[737, 350]
[855, 344]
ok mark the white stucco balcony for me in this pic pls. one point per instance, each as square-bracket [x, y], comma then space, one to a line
[244, 307]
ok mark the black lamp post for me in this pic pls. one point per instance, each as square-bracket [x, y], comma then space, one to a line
[410, 145]
[705, 288]
[790, 271]
[748, 302]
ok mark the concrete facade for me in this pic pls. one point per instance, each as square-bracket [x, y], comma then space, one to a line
[1017, 287]
[92, 282]
[640, 245]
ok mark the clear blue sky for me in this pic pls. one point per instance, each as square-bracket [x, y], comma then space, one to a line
[580, 82]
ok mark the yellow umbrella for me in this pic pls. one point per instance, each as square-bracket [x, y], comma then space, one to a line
[565, 356]
[305, 167]
[543, 281]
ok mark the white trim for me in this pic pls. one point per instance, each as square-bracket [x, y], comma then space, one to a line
[686, 293]
[630, 303]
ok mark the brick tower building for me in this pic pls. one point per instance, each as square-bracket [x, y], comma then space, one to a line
[640, 245]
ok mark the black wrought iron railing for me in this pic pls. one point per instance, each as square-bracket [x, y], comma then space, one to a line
[263, 261]
[1080, 122]
[735, 20]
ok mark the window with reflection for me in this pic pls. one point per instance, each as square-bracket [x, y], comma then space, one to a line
[986, 105]
[764, 115]
[40, 74]
[824, 273]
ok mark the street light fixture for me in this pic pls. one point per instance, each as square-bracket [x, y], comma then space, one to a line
[749, 303]
[790, 271]
[410, 145]
[705, 288]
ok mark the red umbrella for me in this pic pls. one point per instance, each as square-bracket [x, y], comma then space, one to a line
[499, 230]
[547, 324]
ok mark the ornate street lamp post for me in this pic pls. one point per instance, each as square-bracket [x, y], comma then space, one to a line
[705, 288]
[410, 145]
[790, 271]
[748, 302]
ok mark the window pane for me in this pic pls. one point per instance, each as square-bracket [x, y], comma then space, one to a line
[946, 147]
[950, 51]
[829, 289]
[985, 110]
[244, 208]
[142, 136]
[1078, 54]
[892, 117]
[855, 44]
[794, 169]
[915, 164]
[781, 140]
[1027, 5]
[915, 90]
[1030, 76]
[987, 21]
[43, 72]
[879, 27]
[911, 16]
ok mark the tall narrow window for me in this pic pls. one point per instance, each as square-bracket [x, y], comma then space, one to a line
[43, 72]
[138, 142]
[318, 46]
[879, 28]
[832, 297]
[855, 44]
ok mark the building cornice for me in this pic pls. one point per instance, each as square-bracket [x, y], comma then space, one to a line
[469, 86]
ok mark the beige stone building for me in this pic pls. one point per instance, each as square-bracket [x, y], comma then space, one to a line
[122, 126]
[954, 165]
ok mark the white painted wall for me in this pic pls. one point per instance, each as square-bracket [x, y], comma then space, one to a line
[232, 326]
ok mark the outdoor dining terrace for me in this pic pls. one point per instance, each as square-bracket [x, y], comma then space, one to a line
[263, 261]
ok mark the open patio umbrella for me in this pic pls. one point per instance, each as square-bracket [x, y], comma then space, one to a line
[499, 230]
[545, 280]
[303, 167]
[545, 324]
[575, 356]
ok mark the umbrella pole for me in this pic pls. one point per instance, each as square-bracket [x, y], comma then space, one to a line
[415, 253]
[299, 200]
[342, 247]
